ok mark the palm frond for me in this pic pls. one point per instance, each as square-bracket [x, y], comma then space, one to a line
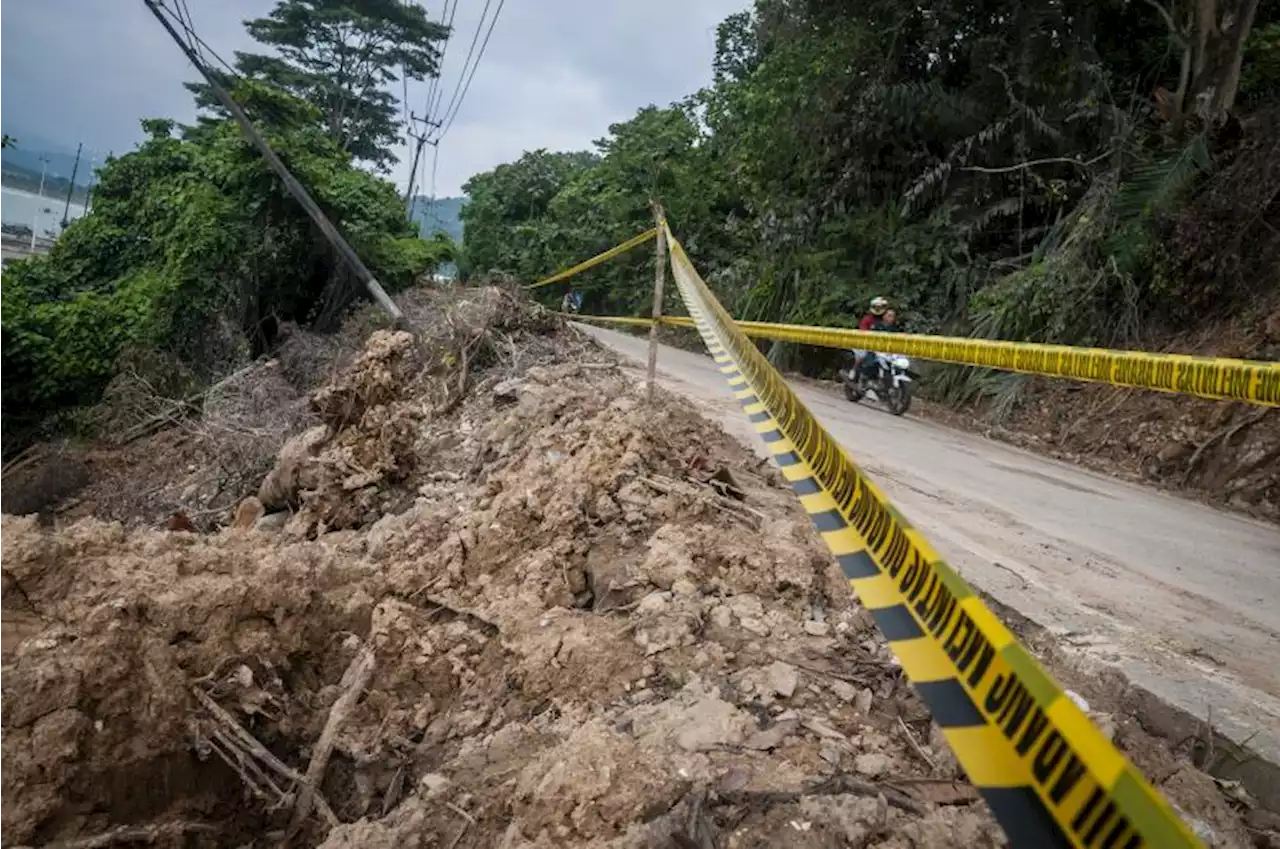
[1153, 185]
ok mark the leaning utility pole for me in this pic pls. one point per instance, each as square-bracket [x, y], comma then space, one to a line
[71, 188]
[291, 184]
[410, 197]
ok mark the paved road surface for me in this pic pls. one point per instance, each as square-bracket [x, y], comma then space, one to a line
[1184, 598]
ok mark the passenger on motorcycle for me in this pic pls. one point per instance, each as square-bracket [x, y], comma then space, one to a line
[887, 323]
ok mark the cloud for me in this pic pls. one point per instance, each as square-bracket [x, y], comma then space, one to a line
[555, 73]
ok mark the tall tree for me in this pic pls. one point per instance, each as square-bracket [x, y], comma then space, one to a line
[342, 56]
[1210, 35]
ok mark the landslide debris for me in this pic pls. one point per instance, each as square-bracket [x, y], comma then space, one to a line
[490, 598]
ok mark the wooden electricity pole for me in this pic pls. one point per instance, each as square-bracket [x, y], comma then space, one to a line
[291, 184]
[659, 279]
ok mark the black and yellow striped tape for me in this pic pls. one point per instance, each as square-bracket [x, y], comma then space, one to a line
[1206, 377]
[638, 239]
[1050, 777]
[1219, 378]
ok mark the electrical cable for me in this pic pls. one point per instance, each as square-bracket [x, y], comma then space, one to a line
[433, 89]
[431, 203]
[188, 23]
[475, 39]
[454, 114]
[196, 42]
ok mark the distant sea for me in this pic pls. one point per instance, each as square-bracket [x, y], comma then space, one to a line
[22, 207]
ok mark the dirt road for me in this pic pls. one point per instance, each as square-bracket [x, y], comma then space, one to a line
[1183, 598]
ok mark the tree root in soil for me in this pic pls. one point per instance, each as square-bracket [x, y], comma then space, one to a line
[252, 761]
[1224, 436]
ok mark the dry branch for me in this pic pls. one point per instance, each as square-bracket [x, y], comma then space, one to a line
[135, 834]
[354, 680]
[1224, 436]
[241, 743]
[924, 756]
[746, 515]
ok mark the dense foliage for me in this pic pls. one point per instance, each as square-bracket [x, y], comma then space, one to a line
[342, 57]
[193, 251]
[187, 237]
[1000, 168]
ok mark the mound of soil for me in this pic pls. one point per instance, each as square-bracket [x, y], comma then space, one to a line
[509, 604]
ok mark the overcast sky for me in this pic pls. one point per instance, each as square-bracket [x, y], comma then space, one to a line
[555, 75]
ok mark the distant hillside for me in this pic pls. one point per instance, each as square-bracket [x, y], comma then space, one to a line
[24, 159]
[442, 215]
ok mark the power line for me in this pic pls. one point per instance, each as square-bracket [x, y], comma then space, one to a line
[475, 39]
[433, 88]
[449, 121]
[188, 23]
[196, 42]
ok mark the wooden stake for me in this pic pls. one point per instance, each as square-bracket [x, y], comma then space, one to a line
[659, 280]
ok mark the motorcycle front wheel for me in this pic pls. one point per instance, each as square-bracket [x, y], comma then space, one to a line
[898, 399]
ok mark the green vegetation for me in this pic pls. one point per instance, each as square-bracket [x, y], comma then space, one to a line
[341, 56]
[195, 253]
[1010, 169]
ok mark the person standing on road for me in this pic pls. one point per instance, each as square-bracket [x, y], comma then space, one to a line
[571, 302]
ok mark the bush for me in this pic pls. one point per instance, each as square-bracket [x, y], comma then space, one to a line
[62, 353]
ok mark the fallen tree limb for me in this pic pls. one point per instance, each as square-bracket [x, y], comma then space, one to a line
[135, 834]
[837, 785]
[751, 518]
[354, 680]
[240, 743]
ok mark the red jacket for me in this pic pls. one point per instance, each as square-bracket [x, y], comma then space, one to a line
[868, 322]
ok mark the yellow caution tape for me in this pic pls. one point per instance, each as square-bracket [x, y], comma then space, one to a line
[1205, 377]
[607, 319]
[1049, 776]
[597, 259]
[1219, 378]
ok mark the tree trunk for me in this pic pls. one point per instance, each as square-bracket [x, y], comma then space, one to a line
[1216, 45]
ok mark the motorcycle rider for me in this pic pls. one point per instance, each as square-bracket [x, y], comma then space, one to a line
[887, 323]
[864, 364]
[878, 307]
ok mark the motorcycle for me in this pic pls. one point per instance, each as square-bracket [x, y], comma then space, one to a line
[891, 386]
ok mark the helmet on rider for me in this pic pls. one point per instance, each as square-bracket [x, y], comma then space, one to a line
[879, 305]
